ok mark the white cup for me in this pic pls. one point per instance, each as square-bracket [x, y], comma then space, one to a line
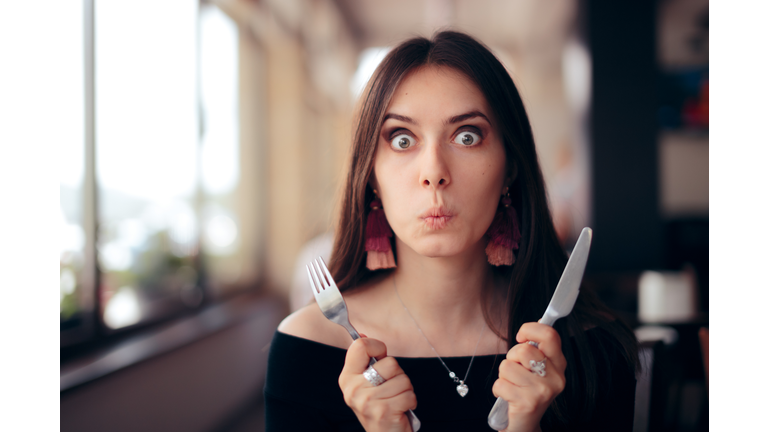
[666, 297]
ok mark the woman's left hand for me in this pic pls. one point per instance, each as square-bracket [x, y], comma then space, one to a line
[528, 393]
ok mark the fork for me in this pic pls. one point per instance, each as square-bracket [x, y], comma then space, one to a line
[334, 308]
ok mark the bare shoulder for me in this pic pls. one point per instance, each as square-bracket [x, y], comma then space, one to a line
[310, 323]
[364, 307]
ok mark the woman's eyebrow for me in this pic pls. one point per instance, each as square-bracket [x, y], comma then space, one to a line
[462, 117]
[399, 117]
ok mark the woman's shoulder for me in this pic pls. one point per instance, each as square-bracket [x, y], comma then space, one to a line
[291, 351]
[310, 323]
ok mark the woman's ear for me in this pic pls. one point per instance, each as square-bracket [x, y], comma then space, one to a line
[374, 185]
[511, 175]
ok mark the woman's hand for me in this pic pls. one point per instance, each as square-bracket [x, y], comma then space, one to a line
[527, 392]
[379, 408]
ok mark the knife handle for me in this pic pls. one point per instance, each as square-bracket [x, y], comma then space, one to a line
[498, 417]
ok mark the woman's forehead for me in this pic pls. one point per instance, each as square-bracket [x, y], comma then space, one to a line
[435, 86]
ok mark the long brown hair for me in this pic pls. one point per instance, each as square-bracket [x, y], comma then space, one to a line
[540, 258]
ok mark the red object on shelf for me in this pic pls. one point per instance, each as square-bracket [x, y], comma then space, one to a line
[696, 110]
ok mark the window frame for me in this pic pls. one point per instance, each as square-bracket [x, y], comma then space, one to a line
[87, 330]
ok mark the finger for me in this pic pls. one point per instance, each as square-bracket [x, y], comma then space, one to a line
[388, 368]
[397, 385]
[524, 353]
[518, 374]
[403, 402]
[507, 390]
[548, 340]
[520, 401]
[359, 354]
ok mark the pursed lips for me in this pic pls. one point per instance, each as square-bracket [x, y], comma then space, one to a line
[436, 218]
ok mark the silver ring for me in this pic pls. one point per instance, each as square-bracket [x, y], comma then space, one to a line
[373, 377]
[536, 344]
[539, 367]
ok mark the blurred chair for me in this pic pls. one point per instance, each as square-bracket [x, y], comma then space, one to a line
[651, 390]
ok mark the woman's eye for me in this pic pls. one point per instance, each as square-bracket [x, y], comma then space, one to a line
[467, 138]
[402, 142]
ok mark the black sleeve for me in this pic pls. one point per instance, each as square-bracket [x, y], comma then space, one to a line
[302, 391]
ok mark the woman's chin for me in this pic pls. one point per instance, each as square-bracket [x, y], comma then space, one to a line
[442, 249]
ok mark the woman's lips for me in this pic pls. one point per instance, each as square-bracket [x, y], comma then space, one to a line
[436, 218]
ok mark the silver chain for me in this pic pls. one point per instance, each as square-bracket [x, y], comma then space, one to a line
[450, 372]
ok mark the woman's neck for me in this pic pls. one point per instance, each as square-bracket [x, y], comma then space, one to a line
[443, 295]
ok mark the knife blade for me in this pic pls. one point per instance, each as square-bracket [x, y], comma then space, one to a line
[561, 305]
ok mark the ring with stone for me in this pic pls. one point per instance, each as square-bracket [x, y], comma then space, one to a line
[539, 367]
[373, 377]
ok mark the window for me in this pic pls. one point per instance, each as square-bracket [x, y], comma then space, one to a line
[149, 223]
[71, 169]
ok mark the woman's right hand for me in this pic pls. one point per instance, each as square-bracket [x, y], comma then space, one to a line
[380, 408]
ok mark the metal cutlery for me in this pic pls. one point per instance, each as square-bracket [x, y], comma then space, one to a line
[562, 302]
[334, 308]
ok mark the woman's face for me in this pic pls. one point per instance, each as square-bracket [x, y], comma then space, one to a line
[440, 164]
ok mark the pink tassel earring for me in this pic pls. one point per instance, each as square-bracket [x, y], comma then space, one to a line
[504, 233]
[377, 234]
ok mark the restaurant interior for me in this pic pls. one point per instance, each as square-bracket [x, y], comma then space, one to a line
[208, 139]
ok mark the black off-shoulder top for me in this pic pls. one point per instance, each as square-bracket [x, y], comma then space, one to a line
[302, 391]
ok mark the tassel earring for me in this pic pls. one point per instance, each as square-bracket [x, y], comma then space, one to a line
[504, 233]
[377, 234]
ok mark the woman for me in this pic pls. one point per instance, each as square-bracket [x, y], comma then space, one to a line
[444, 155]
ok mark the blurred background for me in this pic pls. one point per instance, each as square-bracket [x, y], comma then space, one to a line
[200, 162]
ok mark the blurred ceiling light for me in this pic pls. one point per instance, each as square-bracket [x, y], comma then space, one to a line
[123, 308]
[369, 60]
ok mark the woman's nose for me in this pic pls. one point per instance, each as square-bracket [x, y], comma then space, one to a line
[434, 169]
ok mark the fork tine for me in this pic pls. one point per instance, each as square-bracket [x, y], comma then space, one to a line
[324, 279]
[318, 285]
[326, 272]
[312, 282]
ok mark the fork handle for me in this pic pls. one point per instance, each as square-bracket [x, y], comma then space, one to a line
[412, 419]
[352, 332]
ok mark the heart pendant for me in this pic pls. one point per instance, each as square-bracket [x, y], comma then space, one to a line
[462, 389]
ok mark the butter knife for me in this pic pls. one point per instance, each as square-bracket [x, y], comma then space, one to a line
[562, 302]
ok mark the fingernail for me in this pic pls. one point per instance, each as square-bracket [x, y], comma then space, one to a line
[363, 335]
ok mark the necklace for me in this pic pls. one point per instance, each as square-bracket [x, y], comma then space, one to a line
[462, 389]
